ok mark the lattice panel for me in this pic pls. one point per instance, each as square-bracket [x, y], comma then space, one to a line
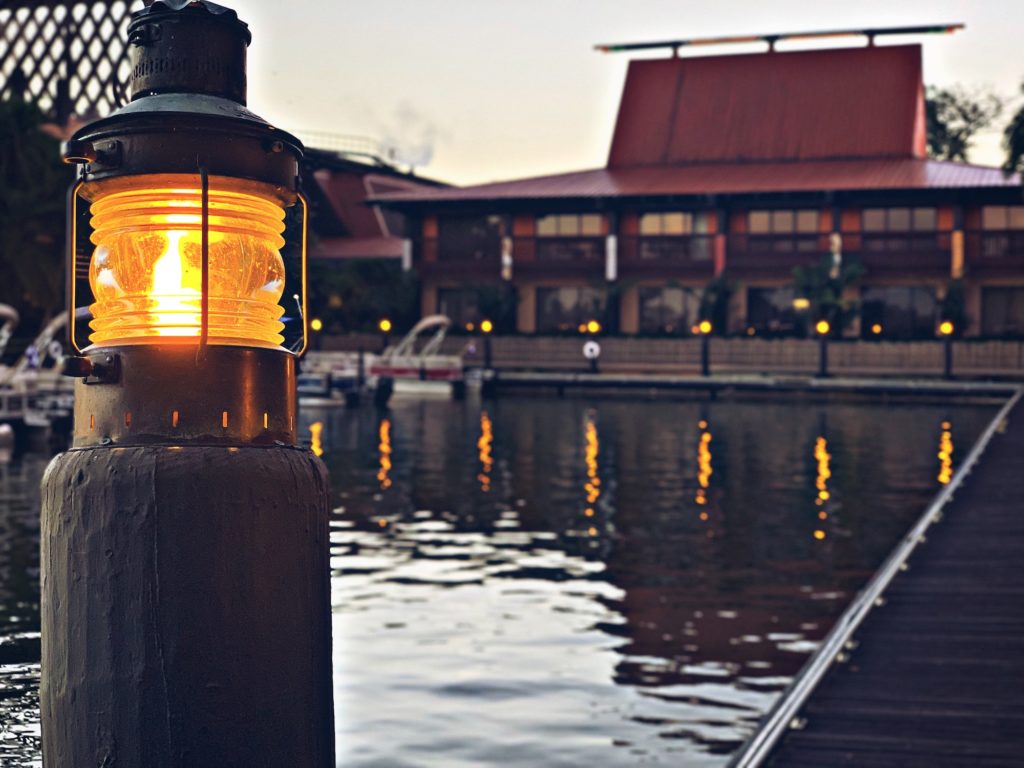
[71, 58]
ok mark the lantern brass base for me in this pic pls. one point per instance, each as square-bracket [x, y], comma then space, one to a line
[167, 394]
[186, 608]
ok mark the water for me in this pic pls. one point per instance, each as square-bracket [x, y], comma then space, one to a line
[535, 582]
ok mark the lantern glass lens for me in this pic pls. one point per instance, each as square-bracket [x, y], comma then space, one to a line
[146, 269]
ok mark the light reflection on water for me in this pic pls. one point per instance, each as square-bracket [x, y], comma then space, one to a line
[533, 582]
[562, 582]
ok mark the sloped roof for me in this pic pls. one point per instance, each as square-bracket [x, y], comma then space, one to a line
[727, 178]
[799, 105]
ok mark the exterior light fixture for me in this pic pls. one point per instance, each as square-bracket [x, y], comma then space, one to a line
[876, 329]
[823, 328]
[704, 328]
[593, 326]
[801, 304]
[946, 330]
[384, 326]
[486, 328]
[185, 600]
[316, 324]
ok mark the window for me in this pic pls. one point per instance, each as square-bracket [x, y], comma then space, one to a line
[783, 222]
[903, 312]
[564, 309]
[1002, 217]
[570, 225]
[673, 224]
[460, 305]
[469, 238]
[1002, 311]
[668, 310]
[899, 220]
[770, 311]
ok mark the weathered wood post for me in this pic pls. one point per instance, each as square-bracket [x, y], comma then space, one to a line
[185, 590]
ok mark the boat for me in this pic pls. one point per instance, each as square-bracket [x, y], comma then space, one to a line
[405, 370]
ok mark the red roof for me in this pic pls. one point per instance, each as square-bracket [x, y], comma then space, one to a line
[357, 248]
[800, 105]
[729, 178]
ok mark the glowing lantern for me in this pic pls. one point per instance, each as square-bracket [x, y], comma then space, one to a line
[146, 271]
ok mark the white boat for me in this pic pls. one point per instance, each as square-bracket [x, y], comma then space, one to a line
[404, 369]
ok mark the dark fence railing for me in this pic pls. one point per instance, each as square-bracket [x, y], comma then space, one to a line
[995, 247]
[904, 252]
[570, 249]
[691, 254]
[757, 253]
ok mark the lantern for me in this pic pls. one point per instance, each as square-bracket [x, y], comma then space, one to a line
[185, 609]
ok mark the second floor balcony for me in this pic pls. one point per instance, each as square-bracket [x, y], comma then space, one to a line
[675, 255]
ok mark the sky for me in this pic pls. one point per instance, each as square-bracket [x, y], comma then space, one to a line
[480, 90]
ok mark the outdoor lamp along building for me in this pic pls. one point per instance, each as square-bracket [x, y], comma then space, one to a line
[185, 595]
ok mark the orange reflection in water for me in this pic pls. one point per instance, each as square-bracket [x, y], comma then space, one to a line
[823, 459]
[946, 454]
[704, 469]
[590, 452]
[484, 447]
[316, 430]
[384, 450]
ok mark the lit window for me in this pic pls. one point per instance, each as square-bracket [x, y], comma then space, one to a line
[783, 222]
[1002, 217]
[900, 219]
[570, 225]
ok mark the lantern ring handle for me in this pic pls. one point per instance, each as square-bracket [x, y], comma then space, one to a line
[72, 263]
[204, 321]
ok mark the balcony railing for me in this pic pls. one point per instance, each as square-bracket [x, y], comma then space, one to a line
[770, 253]
[902, 251]
[474, 262]
[994, 251]
[691, 254]
[570, 249]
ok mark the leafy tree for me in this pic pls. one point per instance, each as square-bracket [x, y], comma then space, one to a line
[33, 194]
[350, 296]
[955, 116]
[823, 285]
[954, 306]
[714, 302]
[1013, 141]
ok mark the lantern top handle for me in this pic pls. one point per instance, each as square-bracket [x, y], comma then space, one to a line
[188, 46]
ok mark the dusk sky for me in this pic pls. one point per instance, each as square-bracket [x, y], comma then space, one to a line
[493, 90]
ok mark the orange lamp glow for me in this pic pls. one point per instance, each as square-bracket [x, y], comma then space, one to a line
[146, 269]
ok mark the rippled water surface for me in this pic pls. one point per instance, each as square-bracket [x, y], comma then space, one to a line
[534, 582]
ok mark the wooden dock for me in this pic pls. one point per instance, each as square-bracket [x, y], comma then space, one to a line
[927, 666]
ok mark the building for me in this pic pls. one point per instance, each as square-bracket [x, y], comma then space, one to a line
[732, 170]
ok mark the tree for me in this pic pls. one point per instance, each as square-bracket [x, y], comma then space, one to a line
[823, 285]
[714, 302]
[33, 192]
[1013, 141]
[955, 116]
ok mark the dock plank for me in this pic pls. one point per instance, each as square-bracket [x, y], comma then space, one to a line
[937, 676]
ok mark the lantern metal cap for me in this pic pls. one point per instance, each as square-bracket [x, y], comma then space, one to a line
[187, 105]
[186, 46]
